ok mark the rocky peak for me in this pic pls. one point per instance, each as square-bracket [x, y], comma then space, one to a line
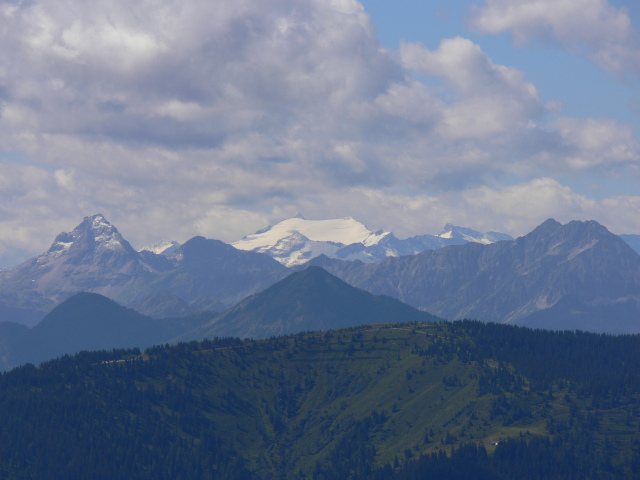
[93, 240]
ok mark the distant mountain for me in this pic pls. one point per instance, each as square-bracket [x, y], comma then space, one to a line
[10, 334]
[577, 275]
[297, 240]
[468, 235]
[94, 257]
[163, 247]
[308, 300]
[87, 321]
[212, 275]
[163, 305]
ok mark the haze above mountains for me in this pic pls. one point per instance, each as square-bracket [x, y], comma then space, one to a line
[573, 276]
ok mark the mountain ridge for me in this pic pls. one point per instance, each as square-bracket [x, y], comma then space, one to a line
[297, 240]
[309, 300]
[507, 281]
[94, 257]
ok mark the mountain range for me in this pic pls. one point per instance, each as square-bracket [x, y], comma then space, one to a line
[168, 279]
[377, 401]
[297, 240]
[310, 300]
[573, 276]
[199, 275]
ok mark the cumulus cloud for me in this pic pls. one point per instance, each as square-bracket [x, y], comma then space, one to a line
[517, 208]
[531, 202]
[593, 27]
[594, 142]
[177, 118]
[491, 98]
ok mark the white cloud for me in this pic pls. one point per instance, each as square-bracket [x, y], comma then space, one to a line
[594, 142]
[177, 118]
[531, 202]
[604, 33]
[490, 99]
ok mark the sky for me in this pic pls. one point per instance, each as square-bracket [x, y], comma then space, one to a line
[182, 118]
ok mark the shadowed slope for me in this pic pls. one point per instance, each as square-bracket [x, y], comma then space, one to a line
[509, 281]
[88, 321]
[311, 299]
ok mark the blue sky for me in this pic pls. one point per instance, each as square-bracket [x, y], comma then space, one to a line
[182, 118]
[583, 87]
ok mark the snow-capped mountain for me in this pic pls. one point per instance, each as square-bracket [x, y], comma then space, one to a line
[94, 253]
[92, 257]
[297, 240]
[163, 247]
[469, 235]
[94, 241]
[565, 277]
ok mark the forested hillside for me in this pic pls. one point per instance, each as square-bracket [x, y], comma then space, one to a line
[389, 401]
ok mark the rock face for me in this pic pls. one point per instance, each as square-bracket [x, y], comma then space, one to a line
[94, 257]
[311, 299]
[576, 275]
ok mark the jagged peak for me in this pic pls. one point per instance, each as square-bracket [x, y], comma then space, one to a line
[95, 232]
[94, 221]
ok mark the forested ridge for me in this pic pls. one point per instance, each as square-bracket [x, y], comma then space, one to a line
[394, 401]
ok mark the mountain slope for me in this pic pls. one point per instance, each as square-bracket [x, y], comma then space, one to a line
[10, 334]
[508, 281]
[212, 275]
[308, 300]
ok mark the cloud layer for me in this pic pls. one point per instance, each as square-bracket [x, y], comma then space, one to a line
[176, 118]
